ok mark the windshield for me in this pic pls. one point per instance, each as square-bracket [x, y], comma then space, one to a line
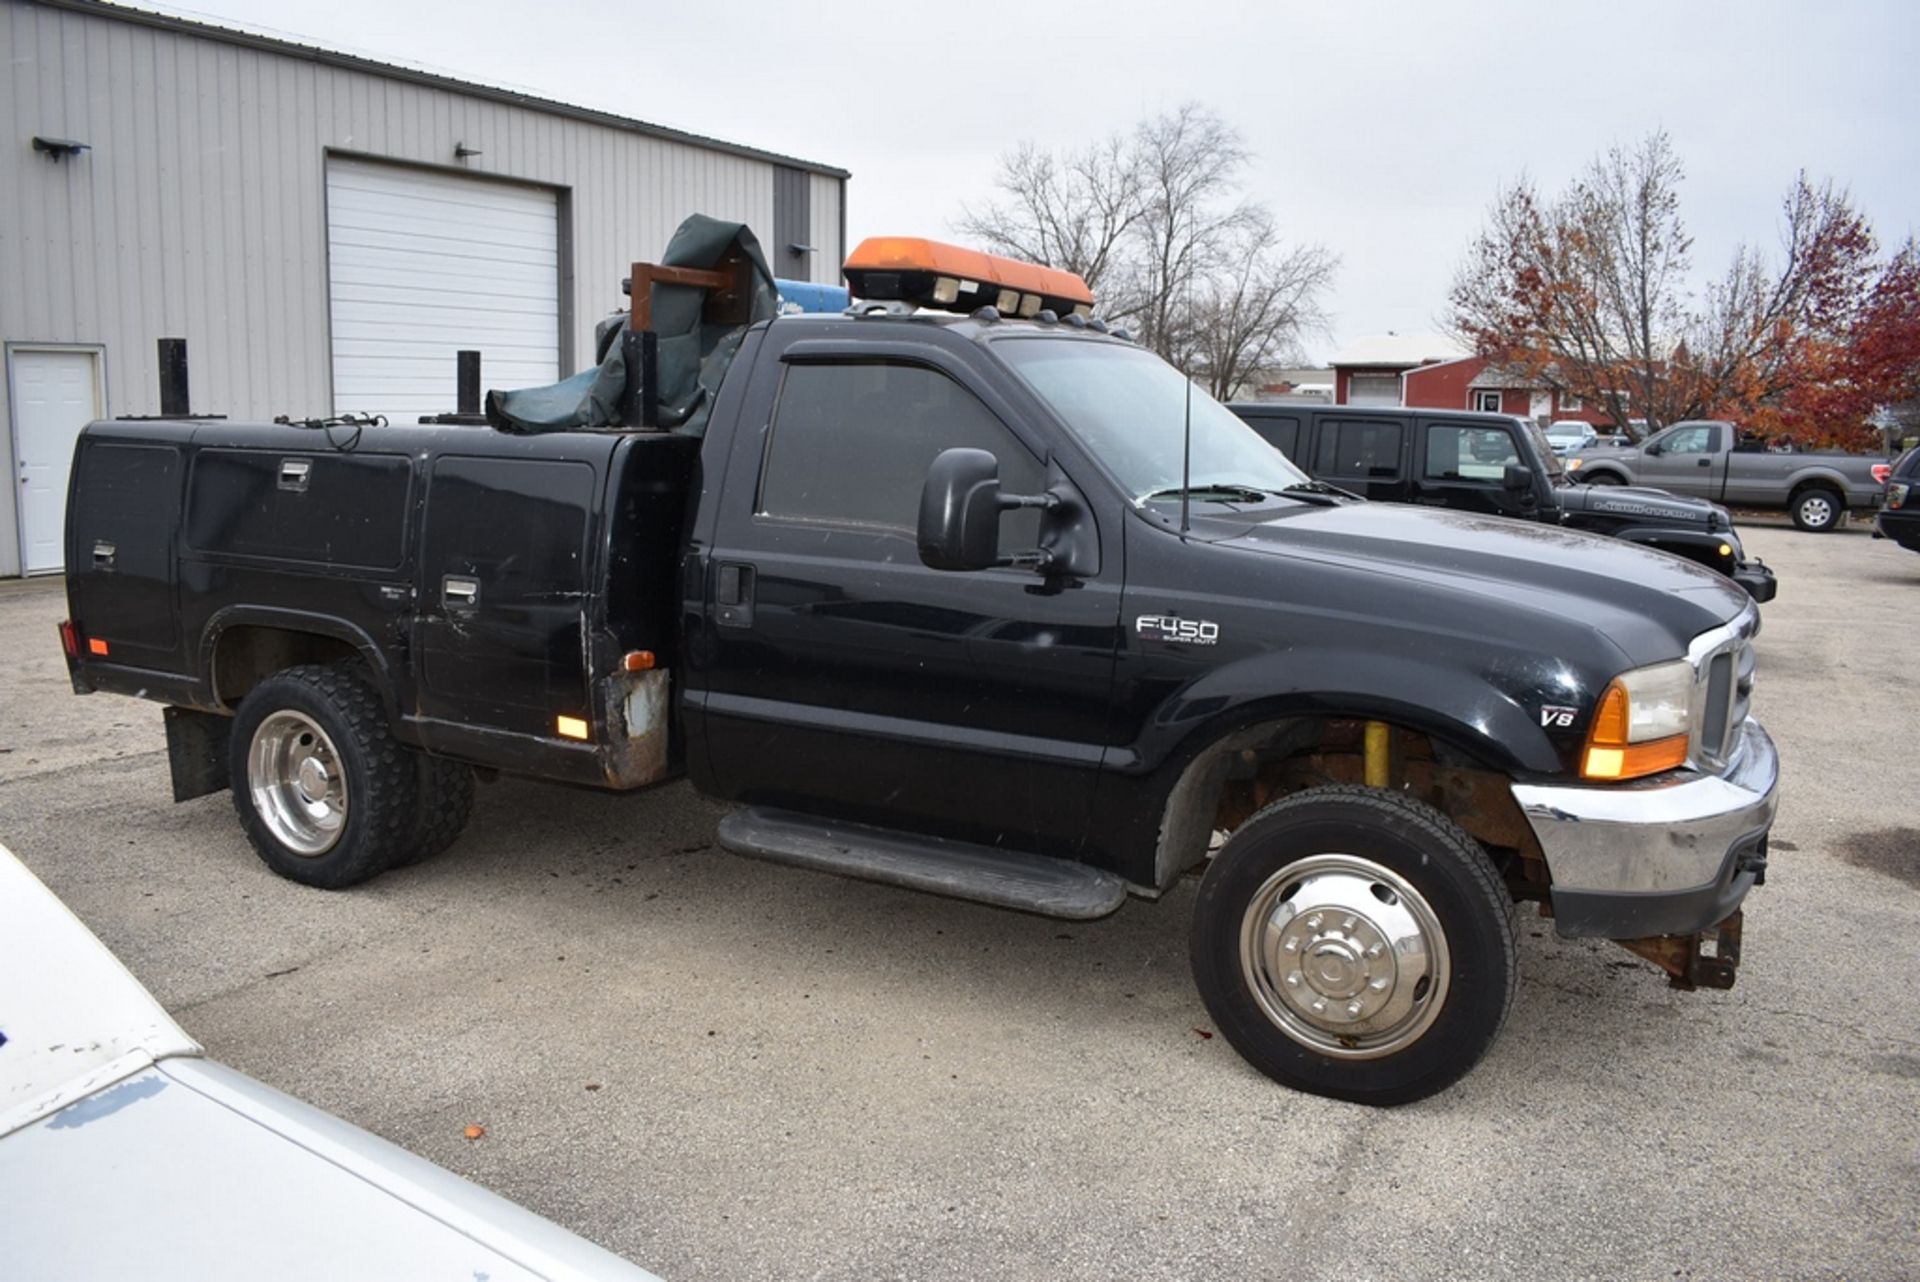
[1543, 447]
[1127, 406]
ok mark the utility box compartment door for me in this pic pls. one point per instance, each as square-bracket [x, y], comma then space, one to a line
[503, 592]
[121, 536]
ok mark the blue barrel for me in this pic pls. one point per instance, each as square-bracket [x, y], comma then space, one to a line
[798, 296]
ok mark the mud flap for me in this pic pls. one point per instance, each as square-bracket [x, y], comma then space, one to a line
[197, 751]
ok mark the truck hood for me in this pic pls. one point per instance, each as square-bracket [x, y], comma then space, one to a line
[1627, 503]
[1648, 604]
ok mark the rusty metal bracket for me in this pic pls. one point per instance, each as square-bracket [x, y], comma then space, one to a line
[1707, 959]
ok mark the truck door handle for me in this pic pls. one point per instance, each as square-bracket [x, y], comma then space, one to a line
[294, 473]
[458, 592]
[1706, 462]
[103, 554]
[733, 595]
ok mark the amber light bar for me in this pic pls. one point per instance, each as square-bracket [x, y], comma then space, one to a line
[951, 278]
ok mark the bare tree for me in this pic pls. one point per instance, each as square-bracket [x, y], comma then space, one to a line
[1154, 221]
[1072, 211]
[1252, 312]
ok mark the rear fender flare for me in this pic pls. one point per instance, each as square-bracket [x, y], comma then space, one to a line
[236, 616]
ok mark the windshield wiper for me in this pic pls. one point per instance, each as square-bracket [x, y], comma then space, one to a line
[1214, 493]
[1318, 492]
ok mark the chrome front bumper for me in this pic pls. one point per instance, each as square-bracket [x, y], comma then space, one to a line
[1665, 857]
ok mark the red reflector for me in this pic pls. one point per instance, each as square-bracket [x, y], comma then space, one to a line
[96, 646]
[69, 638]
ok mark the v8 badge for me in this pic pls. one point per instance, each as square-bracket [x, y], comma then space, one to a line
[1554, 717]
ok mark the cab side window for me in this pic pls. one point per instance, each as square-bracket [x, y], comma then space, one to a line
[1457, 453]
[1702, 439]
[1359, 448]
[1280, 431]
[852, 442]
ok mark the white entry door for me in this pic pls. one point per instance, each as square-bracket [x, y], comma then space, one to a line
[54, 393]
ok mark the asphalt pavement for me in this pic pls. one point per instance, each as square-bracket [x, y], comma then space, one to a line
[723, 1069]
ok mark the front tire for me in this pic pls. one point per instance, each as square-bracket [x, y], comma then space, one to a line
[1355, 943]
[324, 792]
[1600, 478]
[1817, 509]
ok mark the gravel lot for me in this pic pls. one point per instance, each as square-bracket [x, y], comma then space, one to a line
[724, 1069]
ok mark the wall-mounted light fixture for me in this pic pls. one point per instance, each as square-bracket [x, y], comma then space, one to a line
[57, 149]
[461, 151]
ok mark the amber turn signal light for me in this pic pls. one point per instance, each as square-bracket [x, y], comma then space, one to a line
[1609, 752]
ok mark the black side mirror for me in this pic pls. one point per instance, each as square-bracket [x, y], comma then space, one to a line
[1651, 447]
[1517, 479]
[960, 507]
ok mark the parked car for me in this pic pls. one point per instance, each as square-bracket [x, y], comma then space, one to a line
[998, 609]
[107, 1105]
[1899, 518]
[1497, 464]
[1569, 435]
[1706, 458]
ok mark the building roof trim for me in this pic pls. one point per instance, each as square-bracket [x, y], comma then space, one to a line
[428, 79]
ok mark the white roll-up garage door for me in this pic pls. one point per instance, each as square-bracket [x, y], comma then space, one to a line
[1373, 389]
[422, 265]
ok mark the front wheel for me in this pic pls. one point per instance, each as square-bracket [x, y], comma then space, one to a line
[1599, 478]
[1817, 510]
[1355, 943]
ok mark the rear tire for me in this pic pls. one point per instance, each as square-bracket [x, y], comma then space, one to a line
[323, 791]
[1355, 943]
[1817, 509]
[440, 814]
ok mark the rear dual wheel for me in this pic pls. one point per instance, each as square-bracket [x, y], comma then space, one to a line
[325, 793]
[1355, 943]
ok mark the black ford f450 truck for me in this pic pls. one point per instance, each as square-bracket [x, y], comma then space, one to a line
[1000, 609]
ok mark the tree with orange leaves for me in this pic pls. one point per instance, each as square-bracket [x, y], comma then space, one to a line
[1591, 294]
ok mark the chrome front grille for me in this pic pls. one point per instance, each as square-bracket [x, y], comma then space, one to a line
[1723, 673]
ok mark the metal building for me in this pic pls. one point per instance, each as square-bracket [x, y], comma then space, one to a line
[324, 231]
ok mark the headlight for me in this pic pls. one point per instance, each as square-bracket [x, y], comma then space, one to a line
[1573, 464]
[1641, 726]
[1897, 495]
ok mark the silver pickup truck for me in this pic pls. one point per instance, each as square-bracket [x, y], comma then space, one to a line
[1709, 459]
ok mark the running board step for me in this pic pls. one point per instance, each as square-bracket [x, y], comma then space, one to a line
[957, 869]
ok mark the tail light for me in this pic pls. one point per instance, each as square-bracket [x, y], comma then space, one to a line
[1881, 471]
[70, 638]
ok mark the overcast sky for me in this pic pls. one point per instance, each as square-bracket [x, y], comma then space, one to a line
[1379, 130]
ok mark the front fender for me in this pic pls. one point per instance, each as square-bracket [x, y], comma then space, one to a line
[1452, 705]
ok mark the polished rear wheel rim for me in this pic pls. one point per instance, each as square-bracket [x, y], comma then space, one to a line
[298, 783]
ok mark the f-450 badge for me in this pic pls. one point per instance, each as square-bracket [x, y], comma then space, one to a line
[1164, 627]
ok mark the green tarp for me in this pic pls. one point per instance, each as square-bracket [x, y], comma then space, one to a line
[693, 356]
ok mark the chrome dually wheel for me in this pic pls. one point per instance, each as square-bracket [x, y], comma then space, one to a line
[1357, 943]
[1345, 955]
[298, 783]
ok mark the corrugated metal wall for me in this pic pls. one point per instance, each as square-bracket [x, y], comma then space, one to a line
[199, 211]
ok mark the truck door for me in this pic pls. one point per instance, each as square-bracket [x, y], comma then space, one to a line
[1463, 466]
[1691, 460]
[847, 676]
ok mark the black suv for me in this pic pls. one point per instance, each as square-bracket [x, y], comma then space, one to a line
[1899, 519]
[1498, 465]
